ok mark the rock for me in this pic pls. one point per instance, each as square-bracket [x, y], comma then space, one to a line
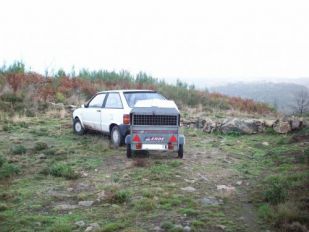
[85, 203]
[187, 229]
[56, 194]
[226, 188]
[42, 156]
[265, 144]
[242, 126]
[239, 182]
[101, 196]
[188, 189]
[82, 186]
[296, 124]
[84, 174]
[210, 126]
[222, 227]
[210, 201]
[269, 122]
[93, 227]
[282, 127]
[65, 207]
[80, 223]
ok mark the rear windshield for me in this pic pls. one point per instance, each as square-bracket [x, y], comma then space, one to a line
[133, 97]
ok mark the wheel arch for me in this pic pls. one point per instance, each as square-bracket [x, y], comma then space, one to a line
[79, 118]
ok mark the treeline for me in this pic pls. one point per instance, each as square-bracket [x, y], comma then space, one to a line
[71, 88]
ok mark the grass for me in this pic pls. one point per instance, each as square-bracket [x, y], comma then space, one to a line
[142, 193]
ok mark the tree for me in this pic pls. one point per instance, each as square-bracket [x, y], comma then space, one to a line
[301, 105]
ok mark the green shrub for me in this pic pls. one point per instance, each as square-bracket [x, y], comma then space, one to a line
[167, 225]
[39, 146]
[265, 212]
[111, 227]
[122, 196]
[276, 190]
[60, 97]
[62, 170]
[7, 170]
[18, 150]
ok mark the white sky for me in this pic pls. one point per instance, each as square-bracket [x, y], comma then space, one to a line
[197, 41]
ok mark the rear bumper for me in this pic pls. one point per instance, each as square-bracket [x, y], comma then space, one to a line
[155, 146]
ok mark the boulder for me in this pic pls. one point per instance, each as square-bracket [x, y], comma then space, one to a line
[242, 126]
[296, 123]
[269, 122]
[282, 127]
[209, 126]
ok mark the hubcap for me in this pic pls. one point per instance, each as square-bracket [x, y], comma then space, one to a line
[78, 126]
[115, 136]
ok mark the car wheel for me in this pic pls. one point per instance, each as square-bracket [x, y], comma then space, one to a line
[180, 151]
[78, 127]
[129, 151]
[116, 137]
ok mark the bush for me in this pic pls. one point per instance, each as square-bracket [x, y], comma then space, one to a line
[18, 150]
[62, 170]
[8, 170]
[275, 191]
[110, 227]
[265, 212]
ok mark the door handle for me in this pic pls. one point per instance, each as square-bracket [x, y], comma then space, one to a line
[98, 110]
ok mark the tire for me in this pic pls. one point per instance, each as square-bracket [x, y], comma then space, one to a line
[180, 151]
[116, 137]
[78, 127]
[129, 151]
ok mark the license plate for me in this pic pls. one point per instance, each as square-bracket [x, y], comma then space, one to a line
[154, 139]
[153, 147]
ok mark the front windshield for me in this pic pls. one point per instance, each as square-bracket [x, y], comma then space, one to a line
[133, 97]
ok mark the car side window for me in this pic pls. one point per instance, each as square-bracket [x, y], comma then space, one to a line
[113, 101]
[97, 101]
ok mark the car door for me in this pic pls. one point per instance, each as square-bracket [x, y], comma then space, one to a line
[112, 111]
[92, 113]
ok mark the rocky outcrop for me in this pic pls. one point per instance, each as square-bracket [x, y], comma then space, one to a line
[241, 126]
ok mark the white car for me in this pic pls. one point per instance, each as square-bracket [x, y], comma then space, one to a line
[109, 112]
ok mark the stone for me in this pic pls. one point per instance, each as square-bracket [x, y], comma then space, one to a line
[42, 156]
[282, 127]
[188, 189]
[65, 207]
[187, 229]
[242, 126]
[265, 144]
[269, 122]
[210, 126]
[85, 203]
[239, 182]
[226, 188]
[80, 223]
[296, 124]
[222, 227]
[157, 229]
[210, 201]
[93, 227]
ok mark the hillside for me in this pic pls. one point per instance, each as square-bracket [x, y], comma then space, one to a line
[30, 92]
[279, 95]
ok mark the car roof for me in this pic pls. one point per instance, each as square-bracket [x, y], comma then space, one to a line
[127, 90]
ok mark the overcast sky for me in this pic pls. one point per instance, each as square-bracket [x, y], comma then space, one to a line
[197, 41]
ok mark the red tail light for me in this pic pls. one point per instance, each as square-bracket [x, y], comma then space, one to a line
[173, 139]
[126, 119]
[136, 139]
[138, 146]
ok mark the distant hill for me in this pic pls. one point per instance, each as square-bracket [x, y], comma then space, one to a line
[279, 95]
